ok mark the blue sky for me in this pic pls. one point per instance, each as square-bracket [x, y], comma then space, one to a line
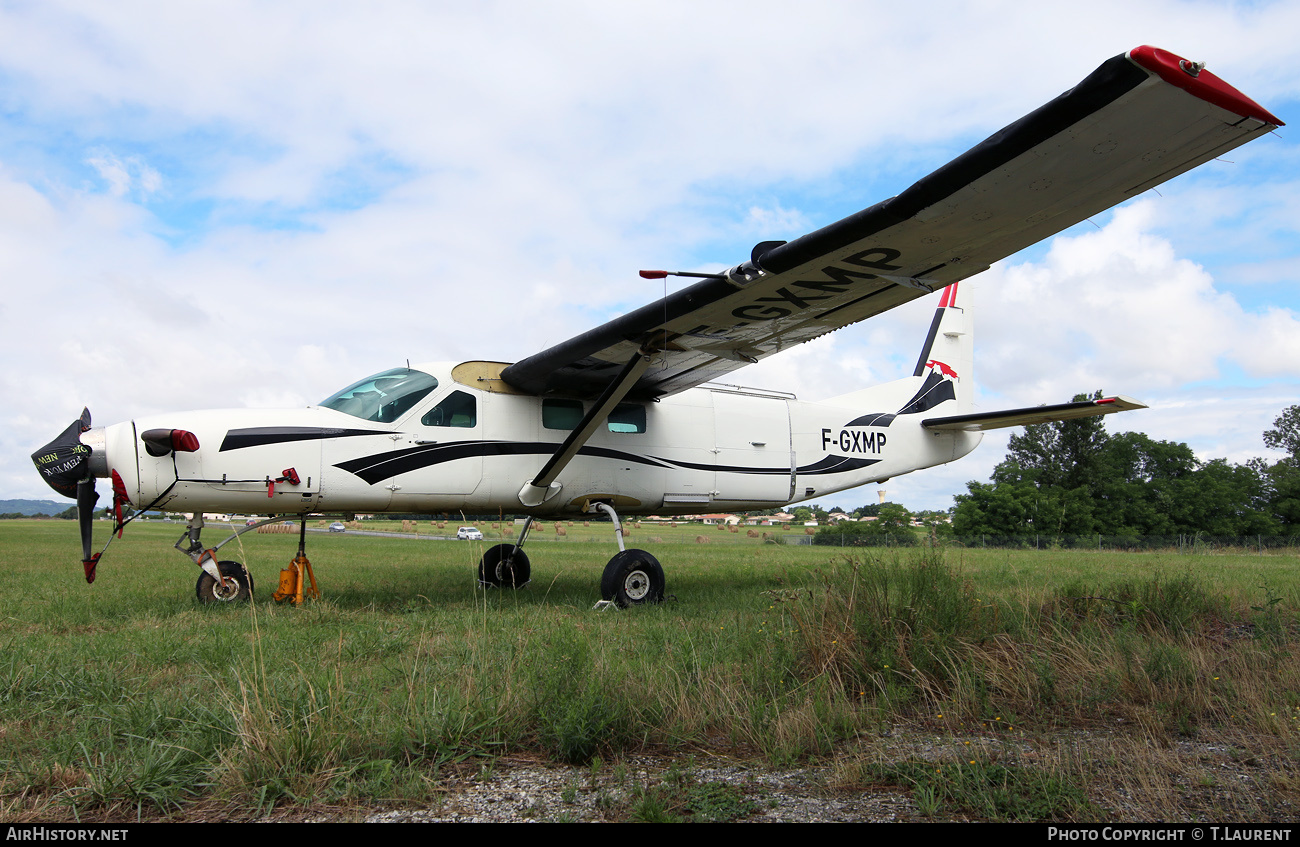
[208, 205]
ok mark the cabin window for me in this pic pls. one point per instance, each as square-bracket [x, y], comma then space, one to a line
[456, 409]
[627, 417]
[384, 397]
[561, 414]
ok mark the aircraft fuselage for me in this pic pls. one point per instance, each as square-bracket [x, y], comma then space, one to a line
[462, 447]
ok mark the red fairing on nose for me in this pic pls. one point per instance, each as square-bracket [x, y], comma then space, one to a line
[160, 442]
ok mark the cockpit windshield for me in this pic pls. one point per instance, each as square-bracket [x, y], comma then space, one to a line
[383, 397]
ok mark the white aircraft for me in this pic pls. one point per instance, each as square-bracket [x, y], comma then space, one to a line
[626, 419]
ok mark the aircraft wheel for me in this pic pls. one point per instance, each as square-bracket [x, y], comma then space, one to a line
[503, 566]
[632, 578]
[209, 590]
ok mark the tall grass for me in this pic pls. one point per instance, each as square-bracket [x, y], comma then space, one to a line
[125, 699]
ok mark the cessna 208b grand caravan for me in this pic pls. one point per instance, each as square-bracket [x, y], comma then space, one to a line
[622, 419]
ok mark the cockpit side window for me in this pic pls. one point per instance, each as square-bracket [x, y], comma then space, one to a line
[384, 397]
[456, 409]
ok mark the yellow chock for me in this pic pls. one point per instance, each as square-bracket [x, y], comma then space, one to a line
[291, 582]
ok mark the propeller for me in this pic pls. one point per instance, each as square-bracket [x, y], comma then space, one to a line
[64, 464]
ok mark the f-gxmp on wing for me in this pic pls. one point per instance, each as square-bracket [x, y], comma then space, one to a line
[628, 418]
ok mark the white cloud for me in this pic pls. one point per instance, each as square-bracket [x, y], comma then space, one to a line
[342, 188]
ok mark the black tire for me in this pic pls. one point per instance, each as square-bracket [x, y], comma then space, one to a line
[209, 591]
[633, 578]
[503, 566]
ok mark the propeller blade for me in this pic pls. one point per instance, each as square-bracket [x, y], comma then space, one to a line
[86, 497]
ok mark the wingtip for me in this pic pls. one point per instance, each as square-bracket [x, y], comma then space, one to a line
[1123, 403]
[1195, 80]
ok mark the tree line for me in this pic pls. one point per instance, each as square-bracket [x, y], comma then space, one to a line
[1072, 478]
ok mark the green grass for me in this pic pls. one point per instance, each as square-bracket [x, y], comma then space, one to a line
[126, 699]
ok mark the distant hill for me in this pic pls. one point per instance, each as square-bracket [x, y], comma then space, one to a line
[35, 507]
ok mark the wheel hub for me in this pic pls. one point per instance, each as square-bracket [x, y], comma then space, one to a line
[636, 585]
[227, 591]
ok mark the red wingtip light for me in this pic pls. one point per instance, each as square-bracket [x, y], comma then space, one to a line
[654, 274]
[184, 442]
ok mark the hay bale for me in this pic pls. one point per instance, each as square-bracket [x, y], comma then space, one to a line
[753, 534]
[559, 530]
[700, 539]
[733, 528]
[808, 530]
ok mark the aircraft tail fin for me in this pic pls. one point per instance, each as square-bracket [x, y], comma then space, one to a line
[942, 375]
[946, 360]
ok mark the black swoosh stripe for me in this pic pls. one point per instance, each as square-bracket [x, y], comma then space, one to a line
[836, 464]
[256, 436]
[381, 466]
[933, 391]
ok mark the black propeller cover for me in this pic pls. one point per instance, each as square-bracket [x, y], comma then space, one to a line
[65, 461]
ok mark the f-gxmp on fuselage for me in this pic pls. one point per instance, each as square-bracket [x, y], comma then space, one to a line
[628, 418]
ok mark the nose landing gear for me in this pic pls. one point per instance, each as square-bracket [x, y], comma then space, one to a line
[236, 585]
[230, 582]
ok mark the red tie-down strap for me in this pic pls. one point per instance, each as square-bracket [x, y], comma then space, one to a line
[120, 499]
[288, 475]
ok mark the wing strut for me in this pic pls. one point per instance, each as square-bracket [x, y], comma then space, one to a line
[543, 486]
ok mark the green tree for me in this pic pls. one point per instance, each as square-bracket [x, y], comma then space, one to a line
[1285, 434]
[1071, 478]
[1282, 479]
[1061, 453]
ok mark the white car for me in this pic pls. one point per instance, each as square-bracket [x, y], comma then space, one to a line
[470, 533]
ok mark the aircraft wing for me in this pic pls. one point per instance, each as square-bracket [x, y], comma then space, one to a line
[1140, 119]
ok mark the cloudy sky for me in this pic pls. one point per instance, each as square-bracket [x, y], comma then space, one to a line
[208, 205]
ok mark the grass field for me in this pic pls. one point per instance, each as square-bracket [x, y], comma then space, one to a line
[1043, 685]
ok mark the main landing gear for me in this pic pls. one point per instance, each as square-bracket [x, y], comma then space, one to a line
[506, 565]
[632, 577]
[229, 582]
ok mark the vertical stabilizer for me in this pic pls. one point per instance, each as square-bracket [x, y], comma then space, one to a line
[946, 362]
[943, 374]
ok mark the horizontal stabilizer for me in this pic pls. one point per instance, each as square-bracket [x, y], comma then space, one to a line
[1034, 415]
